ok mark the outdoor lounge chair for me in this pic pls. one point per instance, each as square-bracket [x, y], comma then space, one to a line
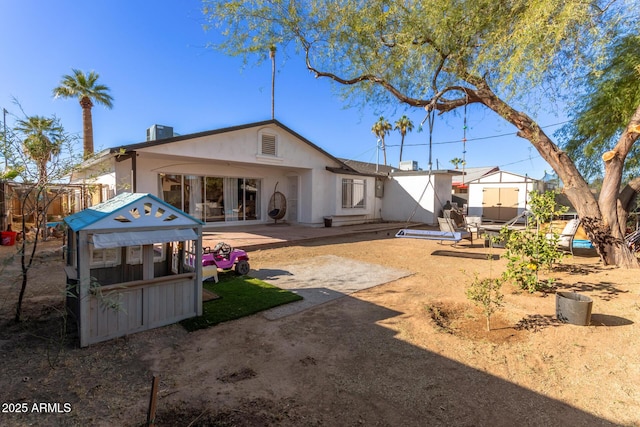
[448, 231]
[447, 226]
[473, 224]
[565, 242]
[460, 222]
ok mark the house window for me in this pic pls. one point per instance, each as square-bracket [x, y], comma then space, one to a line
[268, 145]
[103, 257]
[134, 254]
[354, 193]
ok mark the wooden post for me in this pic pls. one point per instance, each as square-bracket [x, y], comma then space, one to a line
[153, 401]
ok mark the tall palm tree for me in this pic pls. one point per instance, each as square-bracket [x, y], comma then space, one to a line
[380, 129]
[87, 90]
[43, 138]
[403, 125]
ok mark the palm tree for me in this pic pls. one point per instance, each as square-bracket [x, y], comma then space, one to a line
[43, 139]
[456, 161]
[87, 90]
[380, 129]
[403, 125]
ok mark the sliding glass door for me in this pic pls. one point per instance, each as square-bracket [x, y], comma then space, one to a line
[213, 199]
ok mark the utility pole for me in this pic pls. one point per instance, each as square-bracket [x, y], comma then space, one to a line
[272, 54]
[3, 213]
[4, 153]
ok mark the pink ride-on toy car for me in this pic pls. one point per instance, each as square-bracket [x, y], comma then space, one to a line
[225, 257]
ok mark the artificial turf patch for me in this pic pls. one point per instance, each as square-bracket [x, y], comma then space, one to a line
[240, 296]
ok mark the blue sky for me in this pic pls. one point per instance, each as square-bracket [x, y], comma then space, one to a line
[152, 55]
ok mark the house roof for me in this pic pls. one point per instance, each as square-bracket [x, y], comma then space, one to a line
[365, 168]
[120, 150]
[471, 174]
[501, 174]
[130, 210]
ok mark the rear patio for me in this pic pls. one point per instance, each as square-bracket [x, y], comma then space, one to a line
[263, 236]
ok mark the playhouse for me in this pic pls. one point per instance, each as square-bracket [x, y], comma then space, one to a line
[133, 263]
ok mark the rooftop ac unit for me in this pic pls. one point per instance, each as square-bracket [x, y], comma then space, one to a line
[409, 165]
[159, 132]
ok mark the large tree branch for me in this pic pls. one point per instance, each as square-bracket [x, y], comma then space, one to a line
[437, 101]
[614, 165]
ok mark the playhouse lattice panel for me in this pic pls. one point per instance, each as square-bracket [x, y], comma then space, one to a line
[145, 213]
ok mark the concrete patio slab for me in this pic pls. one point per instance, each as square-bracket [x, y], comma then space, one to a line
[263, 236]
[324, 278]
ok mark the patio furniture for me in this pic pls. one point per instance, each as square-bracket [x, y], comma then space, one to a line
[430, 235]
[633, 241]
[448, 226]
[493, 230]
[565, 242]
[473, 224]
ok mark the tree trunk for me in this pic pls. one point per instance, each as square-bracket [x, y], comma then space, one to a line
[599, 219]
[602, 226]
[23, 288]
[87, 127]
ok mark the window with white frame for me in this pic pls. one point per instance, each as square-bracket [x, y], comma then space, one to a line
[103, 257]
[134, 253]
[354, 193]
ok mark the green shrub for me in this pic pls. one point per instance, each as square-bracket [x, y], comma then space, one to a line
[486, 294]
[536, 248]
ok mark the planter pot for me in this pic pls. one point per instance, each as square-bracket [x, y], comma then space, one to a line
[8, 238]
[573, 308]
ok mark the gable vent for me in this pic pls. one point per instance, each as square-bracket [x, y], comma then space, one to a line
[268, 145]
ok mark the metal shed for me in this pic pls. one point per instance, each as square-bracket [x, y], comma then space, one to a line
[133, 263]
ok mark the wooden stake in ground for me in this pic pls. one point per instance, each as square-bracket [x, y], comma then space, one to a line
[153, 401]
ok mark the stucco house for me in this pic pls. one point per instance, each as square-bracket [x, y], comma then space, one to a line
[227, 176]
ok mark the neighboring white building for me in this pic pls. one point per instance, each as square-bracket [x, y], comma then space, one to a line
[416, 196]
[500, 196]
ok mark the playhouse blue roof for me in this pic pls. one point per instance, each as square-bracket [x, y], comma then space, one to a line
[89, 216]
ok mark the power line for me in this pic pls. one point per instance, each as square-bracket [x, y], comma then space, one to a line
[521, 161]
[473, 139]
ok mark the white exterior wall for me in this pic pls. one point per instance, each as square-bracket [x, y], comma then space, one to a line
[237, 154]
[500, 179]
[402, 195]
[123, 177]
[102, 172]
[345, 216]
[242, 146]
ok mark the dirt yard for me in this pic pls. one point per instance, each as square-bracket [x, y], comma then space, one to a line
[410, 352]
